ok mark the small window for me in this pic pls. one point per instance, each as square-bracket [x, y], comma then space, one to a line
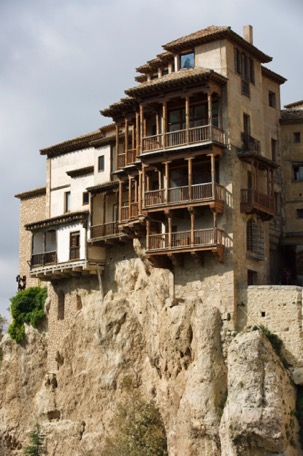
[187, 60]
[74, 245]
[272, 99]
[299, 213]
[298, 172]
[252, 277]
[67, 202]
[101, 163]
[246, 125]
[85, 198]
[297, 137]
[273, 149]
[237, 61]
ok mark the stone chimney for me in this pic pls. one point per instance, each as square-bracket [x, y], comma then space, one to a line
[248, 33]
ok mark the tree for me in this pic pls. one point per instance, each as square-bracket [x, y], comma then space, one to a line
[36, 446]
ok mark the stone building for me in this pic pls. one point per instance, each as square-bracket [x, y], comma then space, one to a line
[187, 177]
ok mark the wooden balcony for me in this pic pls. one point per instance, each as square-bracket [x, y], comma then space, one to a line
[196, 135]
[41, 259]
[211, 239]
[255, 202]
[129, 212]
[105, 230]
[197, 193]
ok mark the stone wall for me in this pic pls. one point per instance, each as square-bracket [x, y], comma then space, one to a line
[32, 209]
[279, 308]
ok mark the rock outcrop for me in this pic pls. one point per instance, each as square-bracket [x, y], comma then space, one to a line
[242, 403]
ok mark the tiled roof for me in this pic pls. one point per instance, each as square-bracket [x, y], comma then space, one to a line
[80, 171]
[124, 105]
[103, 187]
[80, 142]
[31, 193]
[160, 61]
[61, 219]
[272, 75]
[213, 33]
[293, 116]
[296, 104]
[176, 80]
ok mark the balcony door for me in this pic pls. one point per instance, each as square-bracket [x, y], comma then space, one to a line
[74, 245]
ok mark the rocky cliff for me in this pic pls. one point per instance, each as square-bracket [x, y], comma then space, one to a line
[216, 396]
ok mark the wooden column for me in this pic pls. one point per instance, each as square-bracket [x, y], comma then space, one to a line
[169, 219]
[143, 185]
[141, 129]
[210, 113]
[166, 184]
[213, 176]
[137, 134]
[104, 208]
[140, 193]
[126, 141]
[120, 201]
[187, 119]
[164, 123]
[190, 177]
[215, 227]
[147, 233]
[129, 196]
[117, 146]
[192, 226]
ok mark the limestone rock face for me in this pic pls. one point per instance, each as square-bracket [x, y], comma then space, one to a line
[169, 348]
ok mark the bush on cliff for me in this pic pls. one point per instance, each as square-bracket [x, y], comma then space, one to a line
[26, 307]
[137, 429]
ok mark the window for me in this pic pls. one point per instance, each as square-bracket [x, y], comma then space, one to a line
[252, 277]
[299, 213]
[246, 125]
[272, 99]
[187, 60]
[298, 172]
[297, 137]
[255, 240]
[273, 149]
[244, 67]
[74, 245]
[85, 198]
[101, 163]
[67, 202]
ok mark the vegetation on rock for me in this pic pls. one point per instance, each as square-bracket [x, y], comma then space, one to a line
[26, 307]
[36, 446]
[137, 429]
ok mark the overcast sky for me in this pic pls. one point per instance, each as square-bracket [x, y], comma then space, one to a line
[64, 60]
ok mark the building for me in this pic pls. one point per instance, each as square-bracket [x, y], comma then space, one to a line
[190, 168]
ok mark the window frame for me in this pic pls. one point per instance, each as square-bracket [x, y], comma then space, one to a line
[85, 198]
[101, 163]
[67, 201]
[185, 55]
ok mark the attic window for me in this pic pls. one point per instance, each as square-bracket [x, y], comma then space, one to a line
[272, 99]
[187, 60]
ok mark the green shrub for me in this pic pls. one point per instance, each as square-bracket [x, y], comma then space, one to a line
[26, 307]
[137, 429]
[36, 447]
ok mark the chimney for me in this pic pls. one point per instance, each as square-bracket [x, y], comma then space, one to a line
[248, 33]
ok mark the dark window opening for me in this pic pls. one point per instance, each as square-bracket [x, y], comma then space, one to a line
[61, 305]
[74, 245]
[244, 67]
[299, 213]
[67, 205]
[297, 137]
[273, 149]
[85, 198]
[101, 163]
[298, 172]
[272, 99]
[252, 277]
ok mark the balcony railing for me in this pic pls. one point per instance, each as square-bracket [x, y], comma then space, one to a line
[104, 230]
[130, 156]
[253, 200]
[197, 192]
[186, 239]
[250, 144]
[40, 259]
[177, 138]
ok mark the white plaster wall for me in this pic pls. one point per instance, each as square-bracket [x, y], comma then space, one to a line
[101, 177]
[60, 182]
[63, 235]
[212, 55]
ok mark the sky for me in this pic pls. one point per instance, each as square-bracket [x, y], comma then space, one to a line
[64, 60]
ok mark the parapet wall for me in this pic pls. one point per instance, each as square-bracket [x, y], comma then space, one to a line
[278, 308]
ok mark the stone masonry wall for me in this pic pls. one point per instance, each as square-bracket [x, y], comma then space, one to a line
[279, 308]
[32, 209]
